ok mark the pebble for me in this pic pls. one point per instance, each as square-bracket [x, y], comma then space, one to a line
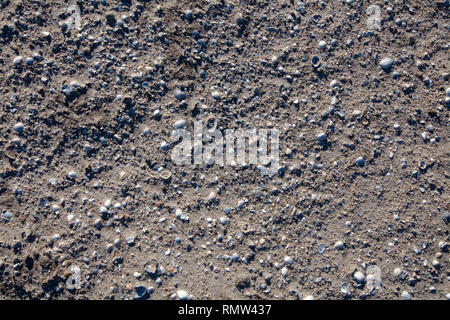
[182, 294]
[334, 84]
[224, 220]
[339, 245]
[72, 175]
[56, 237]
[212, 196]
[98, 223]
[17, 60]
[216, 95]
[288, 260]
[360, 161]
[425, 136]
[180, 124]
[436, 264]
[107, 203]
[140, 292]
[18, 127]
[151, 267]
[386, 63]
[29, 61]
[322, 137]
[130, 240]
[179, 95]
[359, 277]
[446, 217]
[6, 216]
[406, 295]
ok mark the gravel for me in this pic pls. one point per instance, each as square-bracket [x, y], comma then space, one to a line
[87, 144]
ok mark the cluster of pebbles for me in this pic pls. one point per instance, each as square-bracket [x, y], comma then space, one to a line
[358, 209]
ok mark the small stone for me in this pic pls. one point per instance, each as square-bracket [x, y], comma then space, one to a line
[98, 223]
[360, 161]
[180, 124]
[288, 260]
[406, 295]
[18, 127]
[72, 175]
[151, 267]
[446, 217]
[339, 245]
[436, 264]
[179, 95]
[56, 237]
[322, 44]
[333, 84]
[6, 216]
[223, 220]
[386, 63]
[425, 136]
[110, 18]
[216, 95]
[212, 196]
[130, 240]
[443, 246]
[87, 147]
[17, 60]
[140, 292]
[107, 203]
[322, 137]
[359, 277]
[182, 294]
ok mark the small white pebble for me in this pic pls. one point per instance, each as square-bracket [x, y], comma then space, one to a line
[406, 295]
[182, 294]
[339, 245]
